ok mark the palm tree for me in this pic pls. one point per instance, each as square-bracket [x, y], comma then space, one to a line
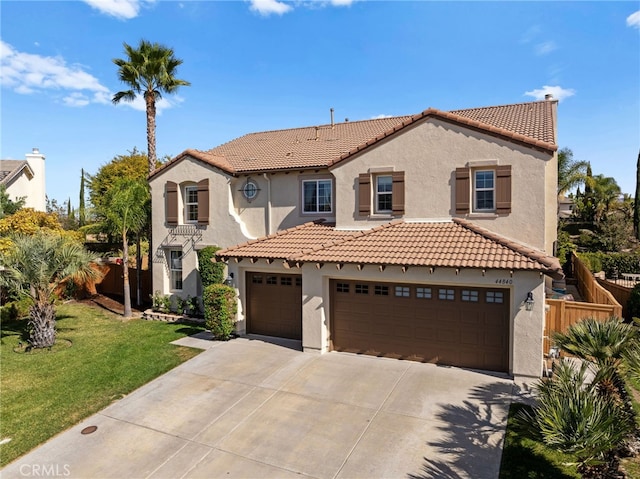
[35, 267]
[572, 416]
[613, 347]
[571, 173]
[126, 211]
[149, 70]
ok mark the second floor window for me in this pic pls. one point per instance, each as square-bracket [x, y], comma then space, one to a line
[484, 190]
[191, 204]
[316, 196]
[384, 195]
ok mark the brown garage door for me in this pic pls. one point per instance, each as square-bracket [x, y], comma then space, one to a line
[459, 326]
[274, 304]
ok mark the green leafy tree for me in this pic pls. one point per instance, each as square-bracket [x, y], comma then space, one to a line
[149, 70]
[8, 206]
[35, 266]
[126, 211]
[571, 173]
[133, 165]
[600, 195]
[210, 272]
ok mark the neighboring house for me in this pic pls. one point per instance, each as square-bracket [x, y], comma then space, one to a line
[418, 237]
[25, 179]
[565, 207]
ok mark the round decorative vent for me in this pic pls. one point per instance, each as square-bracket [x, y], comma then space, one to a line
[250, 190]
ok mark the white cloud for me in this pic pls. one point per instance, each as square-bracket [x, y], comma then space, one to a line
[633, 20]
[341, 3]
[267, 7]
[27, 73]
[381, 116]
[545, 47]
[122, 9]
[558, 92]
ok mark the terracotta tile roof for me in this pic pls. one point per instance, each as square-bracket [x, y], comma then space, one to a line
[288, 243]
[450, 244]
[325, 145]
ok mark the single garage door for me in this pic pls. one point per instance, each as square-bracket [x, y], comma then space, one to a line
[458, 326]
[274, 304]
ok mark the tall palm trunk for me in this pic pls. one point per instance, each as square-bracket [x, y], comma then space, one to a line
[42, 325]
[125, 276]
[150, 100]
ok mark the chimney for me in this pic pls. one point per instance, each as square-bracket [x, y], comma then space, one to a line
[317, 133]
[35, 151]
[548, 96]
[331, 110]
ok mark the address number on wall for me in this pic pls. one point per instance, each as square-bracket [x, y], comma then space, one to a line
[504, 281]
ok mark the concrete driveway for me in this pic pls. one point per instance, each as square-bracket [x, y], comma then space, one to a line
[249, 408]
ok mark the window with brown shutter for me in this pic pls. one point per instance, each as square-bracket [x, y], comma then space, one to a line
[171, 197]
[397, 196]
[503, 189]
[462, 190]
[364, 194]
[203, 202]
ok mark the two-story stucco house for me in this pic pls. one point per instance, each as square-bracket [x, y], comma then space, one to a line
[25, 179]
[426, 237]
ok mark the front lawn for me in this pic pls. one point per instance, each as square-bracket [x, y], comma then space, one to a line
[99, 358]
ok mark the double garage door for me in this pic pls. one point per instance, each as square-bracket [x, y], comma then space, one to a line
[458, 326]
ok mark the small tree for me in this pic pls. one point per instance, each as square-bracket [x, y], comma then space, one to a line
[35, 267]
[126, 210]
[220, 308]
[210, 272]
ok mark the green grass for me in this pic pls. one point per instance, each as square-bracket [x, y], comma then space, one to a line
[46, 392]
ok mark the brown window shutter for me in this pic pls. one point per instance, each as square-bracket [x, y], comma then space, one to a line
[503, 189]
[171, 190]
[203, 202]
[364, 194]
[397, 193]
[462, 190]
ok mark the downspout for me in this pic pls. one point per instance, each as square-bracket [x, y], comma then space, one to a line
[268, 210]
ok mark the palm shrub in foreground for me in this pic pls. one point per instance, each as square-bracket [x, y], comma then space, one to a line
[613, 348]
[576, 418]
[35, 267]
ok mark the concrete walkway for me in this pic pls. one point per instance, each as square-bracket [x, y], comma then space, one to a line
[248, 408]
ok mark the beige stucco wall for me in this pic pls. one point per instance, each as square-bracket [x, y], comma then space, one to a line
[30, 187]
[526, 327]
[429, 153]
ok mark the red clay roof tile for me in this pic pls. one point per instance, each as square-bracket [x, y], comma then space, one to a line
[451, 244]
[321, 146]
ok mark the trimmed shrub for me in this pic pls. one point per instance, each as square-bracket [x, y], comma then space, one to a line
[593, 261]
[220, 308]
[210, 272]
[615, 263]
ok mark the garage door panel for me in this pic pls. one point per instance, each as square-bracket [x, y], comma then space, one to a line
[422, 322]
[274, 304]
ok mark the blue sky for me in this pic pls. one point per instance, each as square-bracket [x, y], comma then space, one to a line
[265, 65]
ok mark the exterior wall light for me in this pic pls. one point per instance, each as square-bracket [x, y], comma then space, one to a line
[229, 280]
[529, 302]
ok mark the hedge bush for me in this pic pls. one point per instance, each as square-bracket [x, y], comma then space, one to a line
[616, 263]
[220, 308]
[593, 261]
[210, 272]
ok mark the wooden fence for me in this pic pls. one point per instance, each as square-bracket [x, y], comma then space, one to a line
[113, 283]
[599, 304]
[621, 293]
